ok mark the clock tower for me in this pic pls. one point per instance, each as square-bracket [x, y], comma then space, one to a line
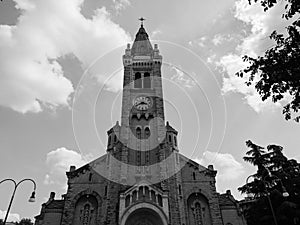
[143, 131]
[142, 179]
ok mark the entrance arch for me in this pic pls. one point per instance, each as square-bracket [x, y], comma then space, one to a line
[144, 214]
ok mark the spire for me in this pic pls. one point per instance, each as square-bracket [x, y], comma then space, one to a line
[142, 45]
[141, 34]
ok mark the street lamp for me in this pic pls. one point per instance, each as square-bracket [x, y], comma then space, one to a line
[31, 199]
[284, 194]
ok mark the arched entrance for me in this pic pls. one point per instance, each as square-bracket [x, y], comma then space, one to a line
[144, 216]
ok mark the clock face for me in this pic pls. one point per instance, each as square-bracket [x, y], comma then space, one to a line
[142, 103]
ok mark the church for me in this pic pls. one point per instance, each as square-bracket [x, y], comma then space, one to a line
[143, 179]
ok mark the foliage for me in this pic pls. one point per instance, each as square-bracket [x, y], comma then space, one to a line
[279, 69]
[25, 221]
[275, 175]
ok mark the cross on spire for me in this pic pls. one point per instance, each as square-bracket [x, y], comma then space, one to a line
[142, 20]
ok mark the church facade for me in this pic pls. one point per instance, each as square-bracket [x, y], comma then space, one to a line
[142, 179]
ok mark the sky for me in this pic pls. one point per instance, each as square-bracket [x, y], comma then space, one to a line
[57, 99]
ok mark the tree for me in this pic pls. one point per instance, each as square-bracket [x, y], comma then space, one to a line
[25, 221]
[276, 174]
[279, 69]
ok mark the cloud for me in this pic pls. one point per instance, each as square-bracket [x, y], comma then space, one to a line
[182, 78]
[232, 63]
[253, 44]
[12, 217]
[219, 39]
[201, 42]
[227, 166]
[31, 77]
[121, 4]
[59, 161]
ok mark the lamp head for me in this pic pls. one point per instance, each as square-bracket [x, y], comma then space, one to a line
[285, 193]
[32, 197]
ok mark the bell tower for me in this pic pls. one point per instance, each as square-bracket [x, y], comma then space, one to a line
[143, 139]
[142, 103]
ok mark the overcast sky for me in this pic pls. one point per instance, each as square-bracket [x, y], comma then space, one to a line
[51, 51]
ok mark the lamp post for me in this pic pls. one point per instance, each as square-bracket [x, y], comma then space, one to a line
[31, 199]
[284, 194]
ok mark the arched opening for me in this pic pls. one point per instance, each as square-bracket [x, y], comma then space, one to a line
[105, 191]
[144, 216]
[138, 133]
[198, 209]
[127, 200]
[86, 211]
[170, 138]
[175, 141]
[179, 189]
[109, 140]
[147, 80]
[137, 80]
[147, 132]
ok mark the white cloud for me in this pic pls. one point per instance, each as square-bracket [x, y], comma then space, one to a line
[113, 83]
[227, 166]
[201, 42]
[262, 24]
[219, 39]
[182, 78]
[121, 4]
[59, 162]
[12, 217]
[155, 34]
[231, 83]
[30, 75]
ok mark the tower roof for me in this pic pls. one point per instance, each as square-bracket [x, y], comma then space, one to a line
[141, 34]
[142, 44]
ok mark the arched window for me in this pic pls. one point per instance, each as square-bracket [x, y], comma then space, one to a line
[194, 176]
[85, 219]
[147, 132]
[147, 80]
[115, 138]
[127, 200]
[134, 196]
[198, 209]
[137, 80]
[109, 140]
[179, 189]
[105, 191]
[170, 138]
[86, 210]
[175, 140]
[159, 199]
[138, 133]
[198, 214]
